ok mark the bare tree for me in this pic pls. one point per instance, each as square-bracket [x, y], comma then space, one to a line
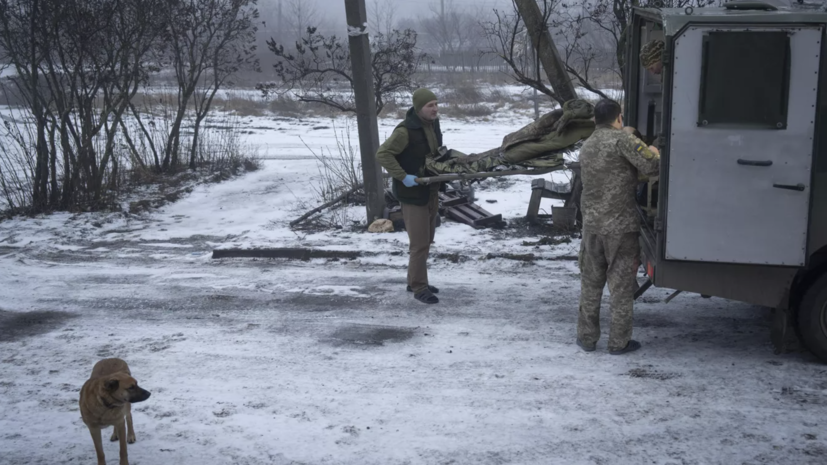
[318, 70]
[21, 23]
[587, 31]
[449, 28]
[271, 15]
[78, 64]
[299, 15]
[508, 38]
[609, 18]
[210, 41]
[381, 17]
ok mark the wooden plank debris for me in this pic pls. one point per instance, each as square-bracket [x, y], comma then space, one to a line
[458, 208]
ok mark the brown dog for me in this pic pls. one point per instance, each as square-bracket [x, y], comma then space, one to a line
[105, 400]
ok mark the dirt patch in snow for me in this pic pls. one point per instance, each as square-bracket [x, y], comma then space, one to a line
[18, 325]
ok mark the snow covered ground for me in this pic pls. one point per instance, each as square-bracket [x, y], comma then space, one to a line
[332, 362]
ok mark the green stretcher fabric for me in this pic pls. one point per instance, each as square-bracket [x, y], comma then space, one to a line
[541, 144]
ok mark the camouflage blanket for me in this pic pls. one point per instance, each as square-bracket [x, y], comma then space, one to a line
[541, 144]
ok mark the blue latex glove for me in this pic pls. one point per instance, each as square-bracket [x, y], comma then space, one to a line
[409, 181]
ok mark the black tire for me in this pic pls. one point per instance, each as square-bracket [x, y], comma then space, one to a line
[812, 318]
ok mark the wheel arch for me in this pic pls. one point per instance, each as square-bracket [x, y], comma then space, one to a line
[807, 276]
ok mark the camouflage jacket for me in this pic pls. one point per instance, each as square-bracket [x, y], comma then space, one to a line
[610, 162]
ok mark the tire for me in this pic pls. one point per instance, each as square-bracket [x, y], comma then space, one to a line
[812, 318]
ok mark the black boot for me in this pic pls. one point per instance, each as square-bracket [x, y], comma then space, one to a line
[586, 347]
[426, 297]
[433, 289]
[631, 346]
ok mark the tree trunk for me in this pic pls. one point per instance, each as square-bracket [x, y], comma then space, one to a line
[40, 198]
[544, 44]
[194, 149]
[174, 139]
[148, 136]
[69, 167]
[54, 196]
[136, 157]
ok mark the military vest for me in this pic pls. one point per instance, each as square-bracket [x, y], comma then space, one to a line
[412, 159]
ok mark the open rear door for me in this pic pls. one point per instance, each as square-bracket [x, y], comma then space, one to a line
[741, 148]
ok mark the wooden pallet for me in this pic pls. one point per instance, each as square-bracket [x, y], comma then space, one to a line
[453, 204]
[458, 208]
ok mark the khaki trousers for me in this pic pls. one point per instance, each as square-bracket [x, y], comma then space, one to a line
[420, 222]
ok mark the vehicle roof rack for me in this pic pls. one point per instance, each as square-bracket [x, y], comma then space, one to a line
[767, 5]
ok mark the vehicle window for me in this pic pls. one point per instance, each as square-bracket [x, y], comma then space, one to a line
[745, 79]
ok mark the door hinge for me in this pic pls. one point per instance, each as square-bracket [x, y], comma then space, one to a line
[666, 55]
[658, 224]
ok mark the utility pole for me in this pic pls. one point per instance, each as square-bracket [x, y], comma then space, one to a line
[544, 45]
[357, 25]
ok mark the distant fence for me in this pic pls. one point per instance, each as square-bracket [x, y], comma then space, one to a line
[463, 63]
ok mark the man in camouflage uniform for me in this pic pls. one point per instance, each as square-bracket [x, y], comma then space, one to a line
[404, 154]
[650, 56]
[610, 162]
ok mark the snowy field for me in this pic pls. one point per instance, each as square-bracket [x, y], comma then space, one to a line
[332, 362]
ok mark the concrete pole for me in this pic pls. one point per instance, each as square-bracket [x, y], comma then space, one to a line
[544, 44]
[357, 21]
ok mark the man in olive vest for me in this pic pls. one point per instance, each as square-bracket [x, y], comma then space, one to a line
[403, 155]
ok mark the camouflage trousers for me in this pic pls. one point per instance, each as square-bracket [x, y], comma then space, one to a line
[614, 259]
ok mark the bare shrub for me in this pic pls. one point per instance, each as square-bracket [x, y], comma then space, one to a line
[497, 95]
[251, 163]
[16, 163]
[475, 110]
[465, 93]
[392, 108]
[285, 105]
[242, 106]
[340, 173]
[78, 68]
[317, 68]
[222, 151]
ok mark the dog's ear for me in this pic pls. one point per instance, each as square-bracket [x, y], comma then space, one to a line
[111, 385]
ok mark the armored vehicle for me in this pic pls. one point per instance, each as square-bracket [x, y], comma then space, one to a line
[739, 113]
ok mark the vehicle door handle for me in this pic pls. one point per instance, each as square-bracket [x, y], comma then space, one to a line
[797, 187]
[741, 161]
